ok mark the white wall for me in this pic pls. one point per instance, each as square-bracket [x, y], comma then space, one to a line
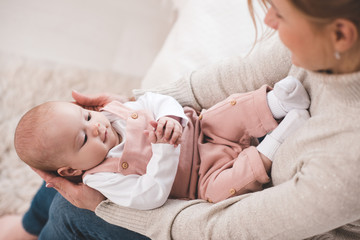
[120, 35]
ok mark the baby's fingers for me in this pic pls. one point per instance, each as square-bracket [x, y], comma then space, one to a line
[151, 136]
[176, 136]
[160, 128]
[169, 130]
[157, 131]
[154, 124]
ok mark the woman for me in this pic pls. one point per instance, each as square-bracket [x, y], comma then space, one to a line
[315, 174]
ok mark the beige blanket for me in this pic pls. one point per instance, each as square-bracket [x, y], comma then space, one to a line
[25, 83]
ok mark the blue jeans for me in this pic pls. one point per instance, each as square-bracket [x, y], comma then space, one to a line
[36, 217]
[52, 217]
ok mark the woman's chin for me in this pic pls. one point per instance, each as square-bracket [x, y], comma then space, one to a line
[294, 61]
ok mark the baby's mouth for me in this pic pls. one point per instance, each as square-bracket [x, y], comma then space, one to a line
[105, 135]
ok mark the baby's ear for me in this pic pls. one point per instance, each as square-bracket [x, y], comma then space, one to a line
[69, 172]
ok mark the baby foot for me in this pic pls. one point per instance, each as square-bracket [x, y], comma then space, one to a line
[287, 94]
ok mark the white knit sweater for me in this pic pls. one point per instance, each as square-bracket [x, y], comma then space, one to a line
[316, 171]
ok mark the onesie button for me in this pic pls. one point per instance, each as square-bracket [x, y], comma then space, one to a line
[233, 102]
[134, 116]
[232, 191]
[200, 117]
[124, 165]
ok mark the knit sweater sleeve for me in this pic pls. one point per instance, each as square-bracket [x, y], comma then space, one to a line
[156, 224]
[267, 64]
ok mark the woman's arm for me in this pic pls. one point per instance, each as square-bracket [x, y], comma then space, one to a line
[142, 221]
[267, 64]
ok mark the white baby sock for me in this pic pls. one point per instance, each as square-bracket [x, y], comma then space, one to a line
[292, 121]
[287, 94]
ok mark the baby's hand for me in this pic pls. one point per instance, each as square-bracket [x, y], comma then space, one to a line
[166, 130]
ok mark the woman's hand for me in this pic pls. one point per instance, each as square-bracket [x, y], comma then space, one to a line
[78, 194]
[98, 101]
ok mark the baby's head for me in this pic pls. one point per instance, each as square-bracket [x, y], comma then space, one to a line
[64, 137]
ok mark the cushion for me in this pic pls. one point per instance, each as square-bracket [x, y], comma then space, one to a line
[205, 32]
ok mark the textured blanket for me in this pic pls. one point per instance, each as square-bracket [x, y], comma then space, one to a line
[25, 83]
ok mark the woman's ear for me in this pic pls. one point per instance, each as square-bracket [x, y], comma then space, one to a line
[345, 35]
[69, 172]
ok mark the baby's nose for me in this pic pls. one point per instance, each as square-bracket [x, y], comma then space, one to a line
[96, 130]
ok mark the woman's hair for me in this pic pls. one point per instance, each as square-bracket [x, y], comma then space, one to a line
[320, 11]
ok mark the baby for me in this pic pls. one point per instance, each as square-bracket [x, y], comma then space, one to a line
[129, 151]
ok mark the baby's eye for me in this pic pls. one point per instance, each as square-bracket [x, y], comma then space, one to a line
[85, 139]
[89, 116]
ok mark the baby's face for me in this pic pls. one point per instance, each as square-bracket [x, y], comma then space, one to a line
[87, 136]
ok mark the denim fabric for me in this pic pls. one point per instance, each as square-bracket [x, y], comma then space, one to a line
[36, 217]
[51, 216]
[69, 222]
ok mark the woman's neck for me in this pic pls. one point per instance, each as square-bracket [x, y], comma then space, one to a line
[348, 63]
[343, 68]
